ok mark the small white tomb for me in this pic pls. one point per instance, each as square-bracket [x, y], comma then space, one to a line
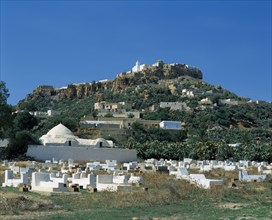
[9, 181]
[42, 182]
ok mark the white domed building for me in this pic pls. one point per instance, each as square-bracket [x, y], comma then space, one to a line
[61, 143]
[62, 136]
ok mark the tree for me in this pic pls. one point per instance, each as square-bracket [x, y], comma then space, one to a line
[138, 127]
[5, 109]
[3, 93]
[160, 114]
[95, 114]
[193, 103]
[130, 115]
[18, 145]
[108, 115]
[24, 121]
[44, 126]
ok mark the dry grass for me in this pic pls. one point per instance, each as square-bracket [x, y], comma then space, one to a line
[231, 205]
[13, 202]
[2, 173]
[163, 191]
[23, 163]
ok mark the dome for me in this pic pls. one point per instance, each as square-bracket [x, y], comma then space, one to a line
[62, 136]
[59, 135]
[60, 131]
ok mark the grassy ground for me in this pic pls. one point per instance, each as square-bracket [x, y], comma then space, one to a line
[166, 199]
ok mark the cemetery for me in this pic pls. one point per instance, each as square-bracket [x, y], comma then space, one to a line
[142, 181]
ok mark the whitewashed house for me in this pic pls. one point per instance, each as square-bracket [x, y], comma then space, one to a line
[53, 112]
[3, 143]
[171, 125]
[175, 106]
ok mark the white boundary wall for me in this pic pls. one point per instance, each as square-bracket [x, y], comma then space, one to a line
[40, 152]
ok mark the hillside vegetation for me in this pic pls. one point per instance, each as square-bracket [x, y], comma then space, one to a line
[210, 124]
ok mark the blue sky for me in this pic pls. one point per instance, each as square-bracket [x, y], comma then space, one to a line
[61, 42]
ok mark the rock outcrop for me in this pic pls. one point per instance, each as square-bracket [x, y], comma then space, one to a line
[150, 74]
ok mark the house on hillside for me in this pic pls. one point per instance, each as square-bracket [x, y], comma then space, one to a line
[112, 107]
[228, 102]
[175, 106]
[205, 101]
[120, 122]
[100, 124]
[129, 114]
[49, 113]
[3, 143]
[187, 93]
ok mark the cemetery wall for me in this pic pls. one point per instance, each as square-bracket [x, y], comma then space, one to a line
[40, 152]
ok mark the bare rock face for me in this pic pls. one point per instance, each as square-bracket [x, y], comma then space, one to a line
[71, 92]
[150, 74]
[85, 90]
[120, 83]
[44, 91]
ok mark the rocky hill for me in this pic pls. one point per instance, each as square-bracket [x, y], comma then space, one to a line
[149, 75]
[144, 88]
[213, 116]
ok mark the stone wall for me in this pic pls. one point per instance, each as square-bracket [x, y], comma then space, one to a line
[40, 152]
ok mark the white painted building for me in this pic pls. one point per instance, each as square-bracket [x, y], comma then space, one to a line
[188, 93]
[112, 107]
[60, 143]
[138, 67]
[49, 113]
[229, 102]
[174, 106]
[4, 143]
[205, 101]
[53, 112]
[171, 125]
[62, 136]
